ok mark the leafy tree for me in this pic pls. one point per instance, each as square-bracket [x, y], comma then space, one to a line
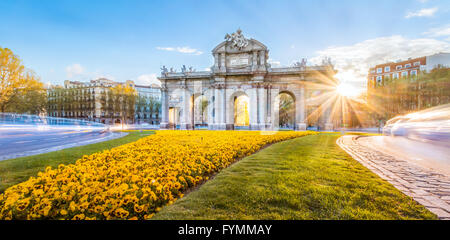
[21, 91]
[123, 100]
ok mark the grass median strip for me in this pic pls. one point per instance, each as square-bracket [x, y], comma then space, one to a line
[302, 178]
[17, 170]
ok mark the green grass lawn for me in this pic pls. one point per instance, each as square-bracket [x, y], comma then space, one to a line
[304, 178]
[13, 171]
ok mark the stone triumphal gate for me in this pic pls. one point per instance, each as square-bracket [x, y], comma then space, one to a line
[241, 71]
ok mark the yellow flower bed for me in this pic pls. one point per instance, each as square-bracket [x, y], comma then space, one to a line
[132, 181]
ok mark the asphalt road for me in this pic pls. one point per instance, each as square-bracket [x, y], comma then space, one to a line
[432, 155]
[17, 143]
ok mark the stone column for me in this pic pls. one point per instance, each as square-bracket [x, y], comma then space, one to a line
[223, 121]
[262, 106]
[164, 108]
[186, 121]
[210, 108]
[262, 59]
[253, 98]
[216, 108]
[255, 60]
[328, 121]
[300, 110]
[269, 106]
[216, 61]
[275, 108]
[222, 62]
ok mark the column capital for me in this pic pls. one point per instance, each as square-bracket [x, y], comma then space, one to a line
[218, 85]
[258, 84]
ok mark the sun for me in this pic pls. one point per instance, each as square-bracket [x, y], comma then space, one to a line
[347, 90]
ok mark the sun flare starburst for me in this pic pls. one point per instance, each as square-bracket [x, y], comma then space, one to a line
[347, 90]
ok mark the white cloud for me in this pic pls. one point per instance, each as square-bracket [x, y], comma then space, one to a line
[74, 70]
[353, 62]
[425, 12]
[438, 32]
[147, 79]
[187, 50]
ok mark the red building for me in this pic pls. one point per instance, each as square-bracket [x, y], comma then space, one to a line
[393, 70]
[407, 68]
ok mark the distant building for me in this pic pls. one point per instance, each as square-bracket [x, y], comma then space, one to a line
[401, 87]
[406, 68]
[148, 104]
[86, 100]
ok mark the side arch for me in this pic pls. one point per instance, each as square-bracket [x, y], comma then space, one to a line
[286, 109]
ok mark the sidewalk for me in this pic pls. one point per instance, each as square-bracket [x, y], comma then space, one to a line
[427, 187]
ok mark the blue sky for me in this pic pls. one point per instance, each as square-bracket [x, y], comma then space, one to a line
[82, 40]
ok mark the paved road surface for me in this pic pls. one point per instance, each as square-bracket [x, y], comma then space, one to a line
[397, 161]
[18, 143]
[430, 155]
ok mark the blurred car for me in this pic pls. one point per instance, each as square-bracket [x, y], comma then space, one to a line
[428, 125]
[389, 124]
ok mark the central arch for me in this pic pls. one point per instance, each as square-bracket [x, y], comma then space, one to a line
[241, 115]
[239, 109]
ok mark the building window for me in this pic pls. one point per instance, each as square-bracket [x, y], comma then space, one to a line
[379, 70]
[387, 69]
[408, 65]
[413, 72]
[398, 67]
[379, 78]
[395, 75]
[416, 63]
[404, 74]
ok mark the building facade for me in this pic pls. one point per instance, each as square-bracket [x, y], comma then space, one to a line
[243, 91]
[89, 101]
[402, 87]
[148, 104]
[406, 68]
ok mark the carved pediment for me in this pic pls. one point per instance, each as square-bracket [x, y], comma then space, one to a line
[236, 43]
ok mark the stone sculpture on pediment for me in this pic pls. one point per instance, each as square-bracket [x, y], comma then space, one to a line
[237, 39]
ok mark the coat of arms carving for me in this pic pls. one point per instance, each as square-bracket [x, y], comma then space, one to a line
[237, 39]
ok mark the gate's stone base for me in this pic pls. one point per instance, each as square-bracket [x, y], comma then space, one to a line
[301, 127]
[328, 126]
[221, 126]
[164, 125]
